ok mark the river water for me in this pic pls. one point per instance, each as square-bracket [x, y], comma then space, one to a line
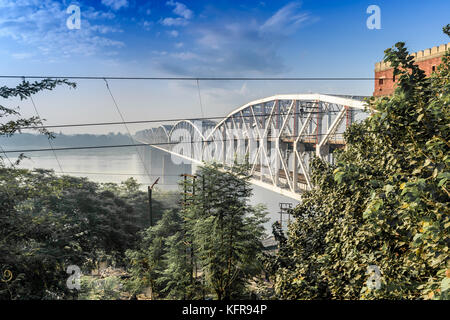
[118, 164]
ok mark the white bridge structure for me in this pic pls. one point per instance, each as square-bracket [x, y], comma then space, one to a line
[279, 135]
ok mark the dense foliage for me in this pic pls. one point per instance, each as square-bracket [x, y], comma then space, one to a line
[384, 204]
[50, 222]
[210, 246]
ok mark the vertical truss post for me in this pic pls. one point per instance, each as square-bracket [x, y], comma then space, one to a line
[277, 143]
[295, 167]
[318, 127]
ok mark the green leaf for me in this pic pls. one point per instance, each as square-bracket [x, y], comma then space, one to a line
[338, 176]
[445, 284]
[420, 117]
[442, 182]
[388, 188]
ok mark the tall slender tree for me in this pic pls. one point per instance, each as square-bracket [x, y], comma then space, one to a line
[227, 231]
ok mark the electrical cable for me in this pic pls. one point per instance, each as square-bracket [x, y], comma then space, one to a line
[148, 144]
[199, 78]
[173, 120]
[3, 151]
[49, 141]
[128, 130]
[117, 173]
[200, 99]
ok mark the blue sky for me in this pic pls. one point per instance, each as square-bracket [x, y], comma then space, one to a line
[312, 38]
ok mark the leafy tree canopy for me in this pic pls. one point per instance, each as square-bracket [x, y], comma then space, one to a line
[384, 203]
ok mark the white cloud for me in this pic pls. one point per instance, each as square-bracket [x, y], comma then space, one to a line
[179, 44]
[173, 33]
[92, 14]
[169, 22]
[237, 47]
[115, 4]
[147, 24]
[180, 9]
[22, 55]
[186, 56]
[286, 20]
[41, 25]
[105, 29]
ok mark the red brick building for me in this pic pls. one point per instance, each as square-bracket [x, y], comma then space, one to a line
[427, 60]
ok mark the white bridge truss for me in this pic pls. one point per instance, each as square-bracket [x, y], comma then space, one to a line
[279, 134]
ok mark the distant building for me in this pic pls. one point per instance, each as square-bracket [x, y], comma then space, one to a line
[427, 60]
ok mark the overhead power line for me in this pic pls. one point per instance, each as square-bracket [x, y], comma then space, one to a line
[197, 78]
[117, 173]
[200, 98]
[126, 127]
[148, 144]
[9, 160]
[49, 141]
[171, 120]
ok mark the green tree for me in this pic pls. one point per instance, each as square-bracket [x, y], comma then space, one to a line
[51, 222]
[210, 246]
[384, 203]
[148, 263]
[226, 231]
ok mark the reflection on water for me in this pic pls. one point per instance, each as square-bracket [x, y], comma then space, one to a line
[119, 164]
[107, 165]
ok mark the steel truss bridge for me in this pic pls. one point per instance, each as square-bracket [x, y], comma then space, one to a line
[279, 135]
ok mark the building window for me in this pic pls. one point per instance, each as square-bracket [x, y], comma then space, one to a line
[380, 82]
[433, 68]
[393, 78]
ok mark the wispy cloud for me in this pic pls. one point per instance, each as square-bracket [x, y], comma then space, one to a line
[286, 20]
[41, 25]
[180, 9]
[173, 33]
[186, 56]
[22, 55]
[115, 4]
[169, 22]
[147, 24]
[237, 47]
[183, 13]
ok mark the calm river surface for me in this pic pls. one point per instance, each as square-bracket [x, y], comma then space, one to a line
[118, 164]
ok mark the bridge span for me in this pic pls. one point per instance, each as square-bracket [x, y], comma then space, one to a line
[279, 135]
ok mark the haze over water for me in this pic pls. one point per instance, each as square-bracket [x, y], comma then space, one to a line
[118, 164]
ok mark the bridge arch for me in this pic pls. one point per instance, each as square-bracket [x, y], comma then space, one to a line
[280, 133]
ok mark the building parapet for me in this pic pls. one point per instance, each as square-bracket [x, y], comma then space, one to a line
[421, 55]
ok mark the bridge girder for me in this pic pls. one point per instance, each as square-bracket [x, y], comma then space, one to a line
[279, 134]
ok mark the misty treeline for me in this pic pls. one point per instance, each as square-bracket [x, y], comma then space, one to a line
[64, 140]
